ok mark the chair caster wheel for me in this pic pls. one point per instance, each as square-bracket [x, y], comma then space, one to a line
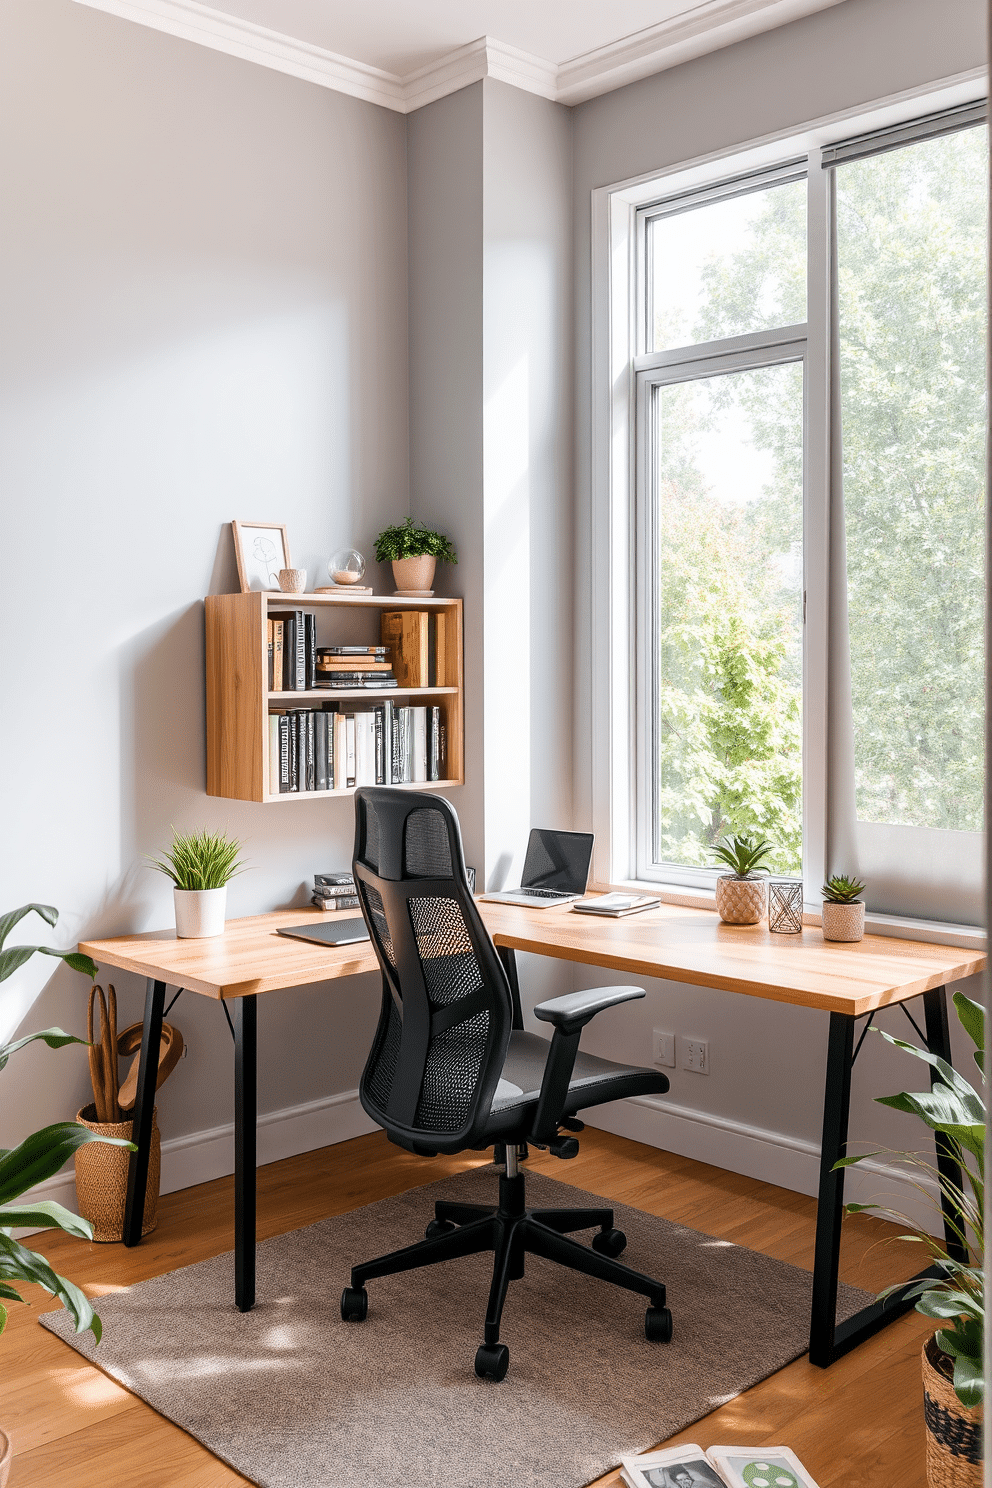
[610, 1243]
[492, 1361]
[354, 1304]
[658, 1325]
[438, 1227]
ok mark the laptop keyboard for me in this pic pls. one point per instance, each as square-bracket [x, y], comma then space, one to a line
[546, 893]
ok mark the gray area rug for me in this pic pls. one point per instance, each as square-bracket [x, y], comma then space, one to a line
[292, 1397]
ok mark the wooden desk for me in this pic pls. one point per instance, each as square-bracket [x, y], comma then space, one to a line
[847, 982]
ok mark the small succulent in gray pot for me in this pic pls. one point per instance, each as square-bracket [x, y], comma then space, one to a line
[843, 911]
[742, 894]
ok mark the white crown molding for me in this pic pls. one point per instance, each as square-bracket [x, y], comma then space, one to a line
[702, 27]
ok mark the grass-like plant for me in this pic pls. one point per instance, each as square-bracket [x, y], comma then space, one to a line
[955, 1110]
[842, 890]
[200, 860]
[412, 539]
[743, 855]
[41, 1155]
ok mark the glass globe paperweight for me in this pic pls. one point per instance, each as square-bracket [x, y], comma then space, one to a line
[346, 567]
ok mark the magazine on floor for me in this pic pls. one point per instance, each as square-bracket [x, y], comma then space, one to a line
[689, 1466]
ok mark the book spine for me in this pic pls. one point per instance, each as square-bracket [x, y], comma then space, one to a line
[431, 650]
[320, 751]
[419, 744]
[434, 745]
[334, 891]
[300, 671]
[340, 748]
[288, 652]
[406, 745]
[285, 752]
[440, 649]
[380, 743]
[270, 626]
[311, 751]
[332, 905]
[310, 636]
[273, 754]
[278, 680]
[349, 727]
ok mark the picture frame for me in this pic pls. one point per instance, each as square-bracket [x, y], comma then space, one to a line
[261, 549]
[674, 1467]
[761, 1467]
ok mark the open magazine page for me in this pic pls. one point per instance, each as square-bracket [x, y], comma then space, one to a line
[675, 1467]
[760, 1467]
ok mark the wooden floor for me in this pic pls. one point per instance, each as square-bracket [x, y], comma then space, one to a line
[859, 1421]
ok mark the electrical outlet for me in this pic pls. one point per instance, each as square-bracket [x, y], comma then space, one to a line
[694, 1054]
[664, 1049]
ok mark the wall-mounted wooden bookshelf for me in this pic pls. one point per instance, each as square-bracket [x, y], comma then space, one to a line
[238, 696]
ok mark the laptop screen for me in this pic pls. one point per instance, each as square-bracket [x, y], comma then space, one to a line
[557, 860]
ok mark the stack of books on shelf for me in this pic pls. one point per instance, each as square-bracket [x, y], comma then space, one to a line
[354, 666]
[334, 891]
[325, 748]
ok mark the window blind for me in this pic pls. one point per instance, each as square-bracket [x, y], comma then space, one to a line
[947, 121]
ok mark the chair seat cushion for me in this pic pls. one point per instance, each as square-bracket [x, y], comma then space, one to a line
[594, 1082]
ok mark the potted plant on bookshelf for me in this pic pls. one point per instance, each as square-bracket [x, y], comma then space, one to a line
[38, 1157]
[201, 865]
[413, 549]
[842, 915]
[741, 894]
[953, 1384]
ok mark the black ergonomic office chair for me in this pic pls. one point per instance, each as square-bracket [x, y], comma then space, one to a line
[447, 1071]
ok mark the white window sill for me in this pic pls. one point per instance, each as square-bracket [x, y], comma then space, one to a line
[971, 937]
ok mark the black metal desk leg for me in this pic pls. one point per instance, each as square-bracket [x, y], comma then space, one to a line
[245, 1112]
[508, 956]
[939, 1043]
[144, 1110]
[830, 1201]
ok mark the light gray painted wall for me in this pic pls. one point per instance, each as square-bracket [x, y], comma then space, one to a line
[767, 1060]
[204, 303]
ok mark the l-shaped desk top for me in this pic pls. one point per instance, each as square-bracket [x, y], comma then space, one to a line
[672, 943]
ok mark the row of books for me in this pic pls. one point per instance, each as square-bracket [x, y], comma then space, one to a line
[412, 652]
[334, 891]
[319, 749]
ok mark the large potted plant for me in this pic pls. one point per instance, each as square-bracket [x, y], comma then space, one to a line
[413, 549]
[742, 894]
[201, 865]
[953, 1382]
[39, 1156]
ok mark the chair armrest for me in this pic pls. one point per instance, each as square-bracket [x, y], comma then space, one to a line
[574, 1010]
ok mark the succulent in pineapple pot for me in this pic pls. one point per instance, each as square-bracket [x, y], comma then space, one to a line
[742, 894]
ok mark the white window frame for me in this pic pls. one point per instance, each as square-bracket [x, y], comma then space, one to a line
[617, 357]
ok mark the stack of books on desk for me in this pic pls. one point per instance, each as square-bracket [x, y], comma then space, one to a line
[616, 905]
[334, 891]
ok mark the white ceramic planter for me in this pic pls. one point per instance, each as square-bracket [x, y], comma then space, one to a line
[414, 573]
[200, 912]
[843, 921]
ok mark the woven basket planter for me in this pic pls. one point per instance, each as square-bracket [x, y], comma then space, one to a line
[741, 901]
[954, 1433]
[101, 1177]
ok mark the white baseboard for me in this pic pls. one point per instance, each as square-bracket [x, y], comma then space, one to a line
[755, 1152]
[201, 1156]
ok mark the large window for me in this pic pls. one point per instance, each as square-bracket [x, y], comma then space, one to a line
[726, 665]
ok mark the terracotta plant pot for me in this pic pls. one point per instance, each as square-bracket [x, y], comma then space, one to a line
[843, 921]
[741, 901]
[101, 1177]
[414, 573]
[200, 912]
[954, 1433]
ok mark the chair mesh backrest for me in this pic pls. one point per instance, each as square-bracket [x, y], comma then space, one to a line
[445, 1022]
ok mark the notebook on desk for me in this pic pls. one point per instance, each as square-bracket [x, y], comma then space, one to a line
[340, 932]
[556, 870]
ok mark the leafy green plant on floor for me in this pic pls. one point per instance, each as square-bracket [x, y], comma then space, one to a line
[200, 860]
[955, 1111]
[412, 539]
[40, 1155]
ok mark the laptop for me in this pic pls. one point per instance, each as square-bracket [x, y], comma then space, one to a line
[556, 869]
[341, 932]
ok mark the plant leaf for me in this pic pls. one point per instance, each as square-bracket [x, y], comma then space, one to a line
[55, 1038]
[48, 913]
[20, 1264]
[15, 956]
[45, 1214]
[42, 1154]
[969, 1383]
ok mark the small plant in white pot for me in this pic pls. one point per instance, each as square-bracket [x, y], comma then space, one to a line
[742, 894]
[842, 915]
[413, 550]
[201, 865]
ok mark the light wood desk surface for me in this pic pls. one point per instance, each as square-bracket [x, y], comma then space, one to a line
[672, 943]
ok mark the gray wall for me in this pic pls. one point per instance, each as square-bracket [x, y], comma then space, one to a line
[204, 290]
[759, 1109]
